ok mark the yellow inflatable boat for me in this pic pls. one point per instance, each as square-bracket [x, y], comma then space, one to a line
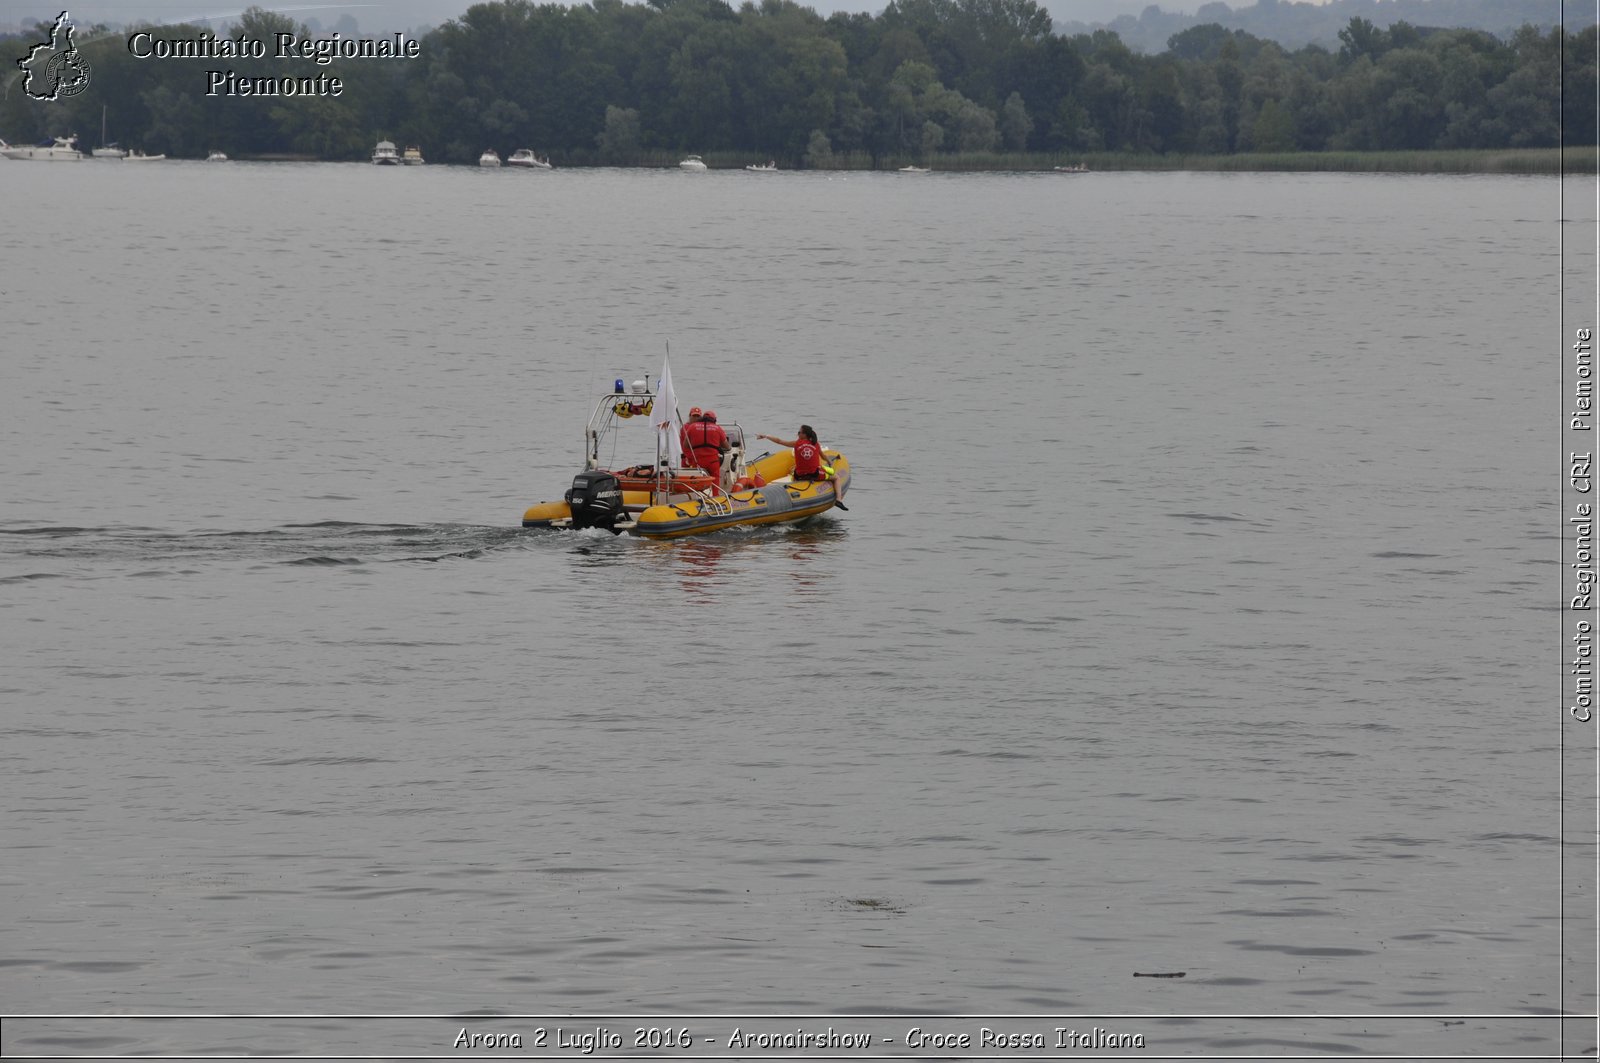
[667, 500]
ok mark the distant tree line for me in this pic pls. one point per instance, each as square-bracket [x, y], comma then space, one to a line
[1295, 25]
[614, 82]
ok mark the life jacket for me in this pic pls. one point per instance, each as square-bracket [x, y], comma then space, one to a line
[808, 461]
[706, 444]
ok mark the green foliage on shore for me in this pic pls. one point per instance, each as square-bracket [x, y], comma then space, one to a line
[952, 84]
[1297, 23]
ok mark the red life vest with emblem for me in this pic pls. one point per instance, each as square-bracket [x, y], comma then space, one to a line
[807, 460]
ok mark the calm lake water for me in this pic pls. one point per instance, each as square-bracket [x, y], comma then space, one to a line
[1194, 611]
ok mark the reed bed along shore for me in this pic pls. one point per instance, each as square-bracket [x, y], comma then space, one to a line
[1512, 161]
[1520, 161]
[1578, 160]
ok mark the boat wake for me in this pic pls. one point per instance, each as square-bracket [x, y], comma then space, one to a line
[78, 551]
[33, 552]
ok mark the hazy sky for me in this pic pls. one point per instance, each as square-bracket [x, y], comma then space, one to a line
[387, 15]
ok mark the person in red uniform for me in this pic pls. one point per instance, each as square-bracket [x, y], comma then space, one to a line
[683, 433]
[723, 448]
[704, 442]
[808, 464]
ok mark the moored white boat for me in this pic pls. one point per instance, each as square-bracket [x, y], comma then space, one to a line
[770, 167]
[58, 149]
[139, 156]
[525, 158]
[913, 169]
[665, 499]
[489, 158]
[412, 155]
[217, 156]
[692, 163]
[385, 154]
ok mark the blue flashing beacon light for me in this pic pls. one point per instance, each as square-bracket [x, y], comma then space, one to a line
[619, 388]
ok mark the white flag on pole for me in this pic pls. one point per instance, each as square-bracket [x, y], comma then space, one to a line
[666, 419]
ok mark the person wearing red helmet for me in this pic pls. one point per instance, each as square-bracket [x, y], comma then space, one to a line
[704, 442]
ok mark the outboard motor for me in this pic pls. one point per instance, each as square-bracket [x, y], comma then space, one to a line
[596, 501]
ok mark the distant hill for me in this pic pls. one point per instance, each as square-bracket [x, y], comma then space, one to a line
[1296, 25]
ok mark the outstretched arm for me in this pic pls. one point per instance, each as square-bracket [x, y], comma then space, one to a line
[780, 442]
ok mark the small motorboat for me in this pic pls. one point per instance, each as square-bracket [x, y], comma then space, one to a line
[692, 163]
[412, 156]
[913, 169]
[489, 158]
[664, 499]
[525, 158]
[1078, 168]
[385, 154]
[770, 167]
[217, 156]
[56, 149]
[139, 156]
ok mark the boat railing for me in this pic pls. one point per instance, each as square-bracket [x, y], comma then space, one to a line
[714, 502]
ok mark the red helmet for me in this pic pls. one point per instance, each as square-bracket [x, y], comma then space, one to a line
[694, 411]
[711, 415]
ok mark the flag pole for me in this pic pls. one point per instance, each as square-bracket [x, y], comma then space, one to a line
[667, 430]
